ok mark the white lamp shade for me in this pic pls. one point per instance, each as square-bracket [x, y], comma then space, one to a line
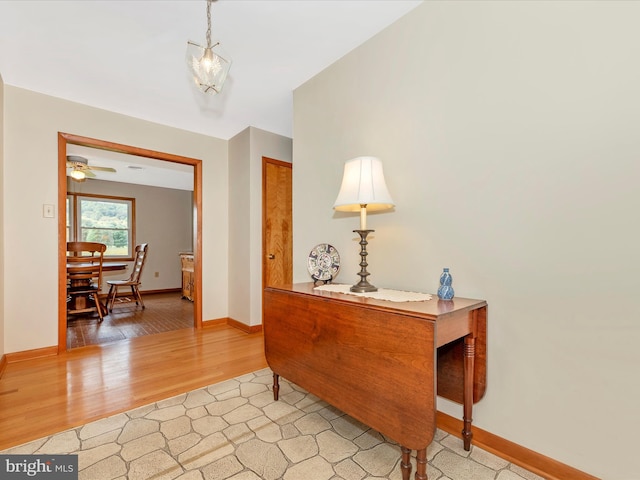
[363, 184]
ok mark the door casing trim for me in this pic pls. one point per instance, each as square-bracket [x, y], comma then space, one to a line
[65, 139]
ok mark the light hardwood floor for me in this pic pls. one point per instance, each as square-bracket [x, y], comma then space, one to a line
[42, 396]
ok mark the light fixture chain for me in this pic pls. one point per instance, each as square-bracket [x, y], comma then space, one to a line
[209, 23]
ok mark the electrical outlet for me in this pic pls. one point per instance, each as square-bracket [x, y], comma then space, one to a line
[157, 274]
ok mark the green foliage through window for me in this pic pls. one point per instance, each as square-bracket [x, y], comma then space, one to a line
[105, 221]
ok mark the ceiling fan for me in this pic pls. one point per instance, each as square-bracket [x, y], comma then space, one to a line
[80, 168]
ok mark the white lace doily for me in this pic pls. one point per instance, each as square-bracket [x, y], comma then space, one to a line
[381, 294]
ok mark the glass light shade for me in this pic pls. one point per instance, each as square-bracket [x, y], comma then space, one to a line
[209, 66]
[363, 184]
[77, 175]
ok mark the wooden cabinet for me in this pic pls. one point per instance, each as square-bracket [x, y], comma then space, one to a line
[188, 283]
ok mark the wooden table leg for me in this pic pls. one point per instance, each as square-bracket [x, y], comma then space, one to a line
[421, 464]
[469, 360]
[276, 386]
[405, 463]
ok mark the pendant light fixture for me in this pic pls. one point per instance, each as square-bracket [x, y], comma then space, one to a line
[209, 65]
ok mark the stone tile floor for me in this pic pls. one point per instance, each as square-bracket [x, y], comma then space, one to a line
[235, 430]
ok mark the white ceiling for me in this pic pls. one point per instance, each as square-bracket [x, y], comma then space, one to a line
[134, 169]
[128, 56]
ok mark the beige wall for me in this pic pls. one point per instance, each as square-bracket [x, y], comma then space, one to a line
[245, 218]
[2, 349]
[164, 220]
[31, 125]
[239, 227]
[509, 137]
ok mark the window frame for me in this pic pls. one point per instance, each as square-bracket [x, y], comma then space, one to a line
[75, 227]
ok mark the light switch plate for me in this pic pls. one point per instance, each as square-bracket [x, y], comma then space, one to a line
[48, 211]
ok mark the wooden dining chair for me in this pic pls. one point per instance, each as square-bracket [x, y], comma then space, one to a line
[133, 281]
[84, 277]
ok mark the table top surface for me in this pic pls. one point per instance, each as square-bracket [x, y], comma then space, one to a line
[434, 308]
[106, 266]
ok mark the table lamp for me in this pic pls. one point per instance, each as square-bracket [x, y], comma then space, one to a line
[363, 188]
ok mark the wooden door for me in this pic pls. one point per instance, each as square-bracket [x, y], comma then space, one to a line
[277, 226]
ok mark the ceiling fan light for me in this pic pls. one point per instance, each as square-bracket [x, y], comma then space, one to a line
[77, 174]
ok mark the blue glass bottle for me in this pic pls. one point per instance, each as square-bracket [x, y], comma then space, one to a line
[445, 291]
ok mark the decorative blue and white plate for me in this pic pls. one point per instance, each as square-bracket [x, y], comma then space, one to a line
[323, 262]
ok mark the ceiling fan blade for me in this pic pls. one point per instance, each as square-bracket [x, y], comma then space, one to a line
[102, 169]
[89, 173]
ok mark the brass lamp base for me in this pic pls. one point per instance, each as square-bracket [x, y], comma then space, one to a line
[363, 286]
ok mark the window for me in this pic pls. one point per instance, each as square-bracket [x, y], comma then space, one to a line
[69, 218]
[108, 220]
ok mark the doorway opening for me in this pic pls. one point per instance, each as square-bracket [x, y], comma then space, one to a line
[65, 139]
